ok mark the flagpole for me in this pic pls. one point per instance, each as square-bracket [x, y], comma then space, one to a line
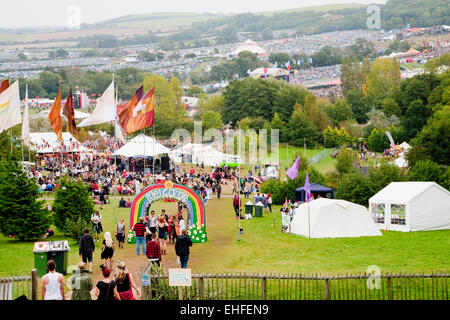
[115, 160]
[309, 223]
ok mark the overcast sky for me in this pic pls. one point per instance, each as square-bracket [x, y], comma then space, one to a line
[29, 13]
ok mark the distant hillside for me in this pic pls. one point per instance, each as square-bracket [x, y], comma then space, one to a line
[321, 8]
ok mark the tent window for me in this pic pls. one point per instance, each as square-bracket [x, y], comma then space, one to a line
[398, 215]
[378, 210]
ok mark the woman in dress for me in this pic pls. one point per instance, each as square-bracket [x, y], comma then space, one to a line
[120, 233]
[125, 282]
[106, 288]
[162, 234]
[108, 248]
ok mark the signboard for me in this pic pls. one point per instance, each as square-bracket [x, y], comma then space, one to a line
[180, 277]
[145, 280]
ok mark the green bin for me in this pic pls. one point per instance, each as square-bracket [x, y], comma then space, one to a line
[259, 209]
[41, 257]
[59, 252]
[249, 208]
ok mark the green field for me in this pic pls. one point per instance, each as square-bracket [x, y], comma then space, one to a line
[263, 248]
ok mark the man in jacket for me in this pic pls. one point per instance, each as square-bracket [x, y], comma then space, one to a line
[182, 248]
[86, 248]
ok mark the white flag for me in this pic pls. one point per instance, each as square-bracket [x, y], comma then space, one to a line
[10, 107]
[26, 122]
[105, 111]
[390, 139]
[118, 131]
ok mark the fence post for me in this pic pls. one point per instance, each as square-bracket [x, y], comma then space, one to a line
[201, 288]
[34, 284]
[389, 288]
[264, 288]
[327, 289]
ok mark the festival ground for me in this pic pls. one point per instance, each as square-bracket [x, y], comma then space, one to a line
[262, 248]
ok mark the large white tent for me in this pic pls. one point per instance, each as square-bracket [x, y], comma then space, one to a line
[47, 142]
[142, 146]
[411, 206]
[330, 218]
[203, 153]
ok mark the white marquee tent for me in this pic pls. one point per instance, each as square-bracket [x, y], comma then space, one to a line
[411, 206]
[47, 142]
[142, 146]
[331, 218]
[203, 153]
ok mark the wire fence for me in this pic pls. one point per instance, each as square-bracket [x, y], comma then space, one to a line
[22, 285]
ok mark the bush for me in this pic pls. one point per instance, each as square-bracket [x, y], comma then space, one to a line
[72, 202]
[354, 187]
[76, 228]
[427, 171]
[345, 161]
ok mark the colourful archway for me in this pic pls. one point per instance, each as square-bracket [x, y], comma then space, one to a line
[197, 219]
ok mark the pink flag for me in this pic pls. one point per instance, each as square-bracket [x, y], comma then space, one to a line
[292, 172]
[307, 188]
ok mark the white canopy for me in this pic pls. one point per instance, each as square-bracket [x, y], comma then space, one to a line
[47, 142]
[142, 146]
[411, 206]
[251, 46]
[330, 218]
[203, 153]
[44, 114]
[405, 145]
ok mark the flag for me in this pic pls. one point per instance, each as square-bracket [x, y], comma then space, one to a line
[307, 189]
[143, 114]
[105, 110]
[26, 122]
[125, 111]
[55, 116]
[118, 132]
[390, 139]
[10, 107]
[4, 85]
[69, 112]
[292, 172]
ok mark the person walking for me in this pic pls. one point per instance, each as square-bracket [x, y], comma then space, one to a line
[182, 248]
[96, 219]
[86, 248]
[237, 205]
[163, 233]
[181, 223]
[125, 282]
[154, 251]
[139, 233]
[108, 249]
[120, 233]
[106, 289]
[52, 283]
[219, 190]
[153, 222]
[81, 283]
[269, 202]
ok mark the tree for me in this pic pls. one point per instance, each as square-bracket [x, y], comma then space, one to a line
[190, 56]
[382, 80]
[21, 56]
[435, 137]
[353, 74]
[280, 58]
[72, 202]
[21, 215]
[354, 187]
[344, 161]
[339, 112]
[355, 98]
[363, 49]
[378, 140]
[147, 56]
[194, 91]
[415, 118]
[305, 131]
[212, 120]
[248, 61]
[278, 124]
[427, 171]
[62, 53]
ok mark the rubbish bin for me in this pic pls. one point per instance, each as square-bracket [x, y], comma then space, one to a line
[40, 257]
[59, 252]
[249, 207]
[259, 209]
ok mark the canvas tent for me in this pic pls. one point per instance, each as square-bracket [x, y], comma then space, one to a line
[142, 146]
[316, 189]
[330, 218]
[411, 206]
[202, 153]
[47, 142]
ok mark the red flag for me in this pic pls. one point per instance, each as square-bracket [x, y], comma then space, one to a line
[125, 111]
[143, 114]
[55, 116]
[69, 112]
[4, 85]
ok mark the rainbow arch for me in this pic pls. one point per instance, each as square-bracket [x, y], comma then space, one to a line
[197, 219]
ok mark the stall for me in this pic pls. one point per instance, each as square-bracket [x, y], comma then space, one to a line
[316, 190]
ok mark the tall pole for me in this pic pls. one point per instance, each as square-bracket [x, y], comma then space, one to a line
[115, 163]
[309, 223]
[239, 180]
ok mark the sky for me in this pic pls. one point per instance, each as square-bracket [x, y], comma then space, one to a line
[43, 13]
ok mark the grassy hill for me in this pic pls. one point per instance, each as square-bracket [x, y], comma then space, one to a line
[317, 9]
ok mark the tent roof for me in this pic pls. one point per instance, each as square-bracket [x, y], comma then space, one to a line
[315, 187]
[329, 218]
[47, 142]
[402, 192]
[142, 146]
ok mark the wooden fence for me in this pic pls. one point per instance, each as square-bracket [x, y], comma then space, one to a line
[16, 286]
[243, 286]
